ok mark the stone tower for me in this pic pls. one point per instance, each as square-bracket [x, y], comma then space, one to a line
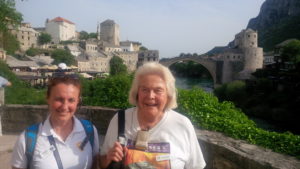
[246, 40]
[110, 33]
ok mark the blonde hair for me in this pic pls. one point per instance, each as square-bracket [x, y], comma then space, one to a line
[164, 73]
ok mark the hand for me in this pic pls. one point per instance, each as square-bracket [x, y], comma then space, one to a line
[8, 84]
[116, 153]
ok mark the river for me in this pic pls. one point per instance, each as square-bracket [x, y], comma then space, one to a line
[188, 83]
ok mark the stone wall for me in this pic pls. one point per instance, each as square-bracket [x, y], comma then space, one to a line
[220, 152]
[15, 118]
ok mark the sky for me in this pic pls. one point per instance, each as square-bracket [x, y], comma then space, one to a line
[170, 26]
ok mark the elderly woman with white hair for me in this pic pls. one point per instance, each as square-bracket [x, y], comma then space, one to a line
[156, 136]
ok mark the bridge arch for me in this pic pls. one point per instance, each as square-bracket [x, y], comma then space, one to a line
[210, 65]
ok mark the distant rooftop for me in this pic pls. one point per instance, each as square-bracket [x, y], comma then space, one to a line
[60, 19]
[128, 42]
[108, 21]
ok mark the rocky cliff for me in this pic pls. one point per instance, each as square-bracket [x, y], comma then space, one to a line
[277, 21]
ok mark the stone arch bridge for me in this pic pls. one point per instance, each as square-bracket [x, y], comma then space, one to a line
[220, 71]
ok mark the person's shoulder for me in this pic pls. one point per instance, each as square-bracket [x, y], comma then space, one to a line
[176, 114]
[130, 110]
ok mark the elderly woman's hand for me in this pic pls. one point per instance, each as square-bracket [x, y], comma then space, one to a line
[116, 153]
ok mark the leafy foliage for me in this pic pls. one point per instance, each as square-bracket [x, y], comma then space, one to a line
[33, 51]
[63, 56]
[189, 69]
[8, 15]
[291, 52]
[10, 43]
[109, 92]
[207, 112]
[44, 38]
[83, 35]
[92, 35]
[143, 48]
[20, 92]
[234, 91]
[117, 66]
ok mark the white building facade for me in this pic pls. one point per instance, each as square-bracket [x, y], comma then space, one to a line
[61, 29]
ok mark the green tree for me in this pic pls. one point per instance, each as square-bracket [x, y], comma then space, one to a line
[83, 35]
[291, 52]
[11, 44]
[32, 51]
[8, 15]
[109, 92]
[44, 38]
[117, 66]
[143, 48]
[92, 35]
[63, 56]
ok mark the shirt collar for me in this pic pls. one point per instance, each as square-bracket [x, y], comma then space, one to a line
[47, 129]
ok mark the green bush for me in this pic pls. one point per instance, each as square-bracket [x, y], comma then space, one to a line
[207, 112]
[109, 92]
[234, 91]
[20, 92]
[32, 52]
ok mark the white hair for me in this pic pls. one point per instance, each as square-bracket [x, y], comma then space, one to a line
[164, 73]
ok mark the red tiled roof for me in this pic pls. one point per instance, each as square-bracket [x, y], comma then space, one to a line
[60, 19]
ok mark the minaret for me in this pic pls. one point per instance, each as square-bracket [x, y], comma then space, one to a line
[98, 31]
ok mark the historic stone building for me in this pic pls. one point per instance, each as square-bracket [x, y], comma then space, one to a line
[98, 52]
[130, 59]
[234, 62]
[26, 35]
[93, 62]
[147, 56]
[130, 45]
[60, 29]
[243, 57]
[109, 32]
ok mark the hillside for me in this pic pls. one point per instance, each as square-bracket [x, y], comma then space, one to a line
[277, 21]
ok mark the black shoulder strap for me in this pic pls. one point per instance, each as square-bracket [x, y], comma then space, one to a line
[121, 123]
